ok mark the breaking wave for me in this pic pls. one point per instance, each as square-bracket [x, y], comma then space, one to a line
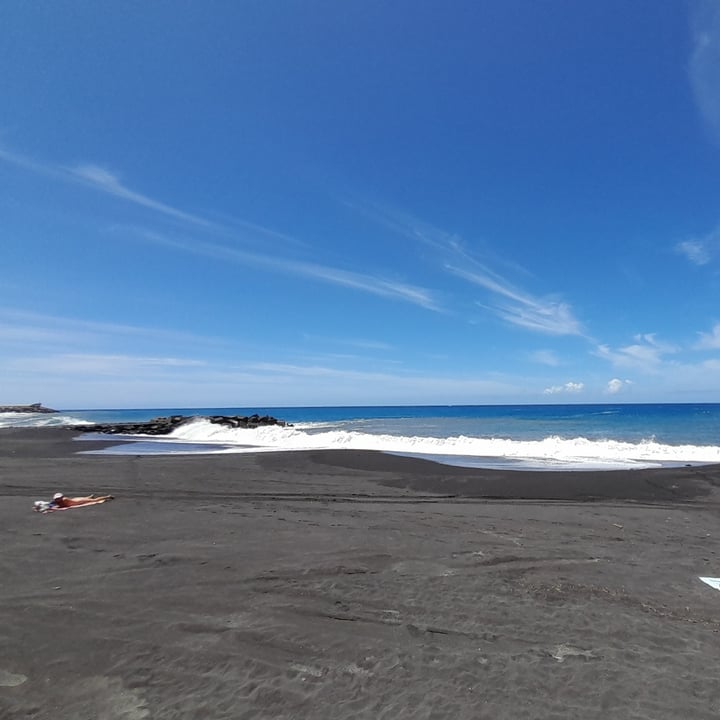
[548, 453]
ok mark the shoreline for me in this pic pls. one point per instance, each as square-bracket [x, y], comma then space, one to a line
[667, 484]
[561, 439]
[352, 584]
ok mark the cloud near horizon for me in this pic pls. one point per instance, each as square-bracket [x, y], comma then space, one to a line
[568, 387]
[709, 341]
[645, 354]
[121, 379]
[25, 326]
[615, 385]
[89, 364]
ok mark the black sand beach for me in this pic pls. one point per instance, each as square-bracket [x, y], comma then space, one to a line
[352, 585]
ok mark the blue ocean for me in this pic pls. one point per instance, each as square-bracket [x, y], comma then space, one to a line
[536, 437]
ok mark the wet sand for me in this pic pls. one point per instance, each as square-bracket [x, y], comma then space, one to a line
[350, 584]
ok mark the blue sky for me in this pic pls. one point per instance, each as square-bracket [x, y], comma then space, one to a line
[312, 202]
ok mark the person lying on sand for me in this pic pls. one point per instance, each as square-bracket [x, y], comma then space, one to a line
[60, 502]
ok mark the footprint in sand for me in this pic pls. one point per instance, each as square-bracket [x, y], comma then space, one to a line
[422, 568]
[8, 679]
[106, 698]
[560, 652]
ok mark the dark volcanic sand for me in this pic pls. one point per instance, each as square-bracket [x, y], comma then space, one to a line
[352, 585]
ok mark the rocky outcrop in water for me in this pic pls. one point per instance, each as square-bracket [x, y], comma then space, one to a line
[165, 425]
[34, 408]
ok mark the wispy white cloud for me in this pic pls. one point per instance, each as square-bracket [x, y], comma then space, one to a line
[450, 246]
[30, 327]
[101, 179]
[646, 353]
[375, 387]
[15, 334]
[236, 227]
[361, 343]
[75, 366]
[696, 251]
[138, 380]
[86, 364]
[544, 315]
[709, 341]
[369, 344]
[615, 385]
[701, 250]
[569, 387]
[704, 66]
[105, 181]
[375, 285]
[545, 357]
[540, 314]
[26, 163]
[410, 227]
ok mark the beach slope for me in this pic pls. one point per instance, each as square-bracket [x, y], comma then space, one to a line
[350, 584]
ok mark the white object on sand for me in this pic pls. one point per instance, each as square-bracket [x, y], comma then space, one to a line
[712, 582]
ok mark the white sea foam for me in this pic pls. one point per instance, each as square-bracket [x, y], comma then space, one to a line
[550, 452]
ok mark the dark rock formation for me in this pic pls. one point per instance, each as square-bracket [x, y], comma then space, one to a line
[34, 408]
[165, 425]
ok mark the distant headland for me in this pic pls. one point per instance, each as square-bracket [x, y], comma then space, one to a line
[34, 408]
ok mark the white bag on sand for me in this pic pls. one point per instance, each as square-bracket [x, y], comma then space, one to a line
[712, 582]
